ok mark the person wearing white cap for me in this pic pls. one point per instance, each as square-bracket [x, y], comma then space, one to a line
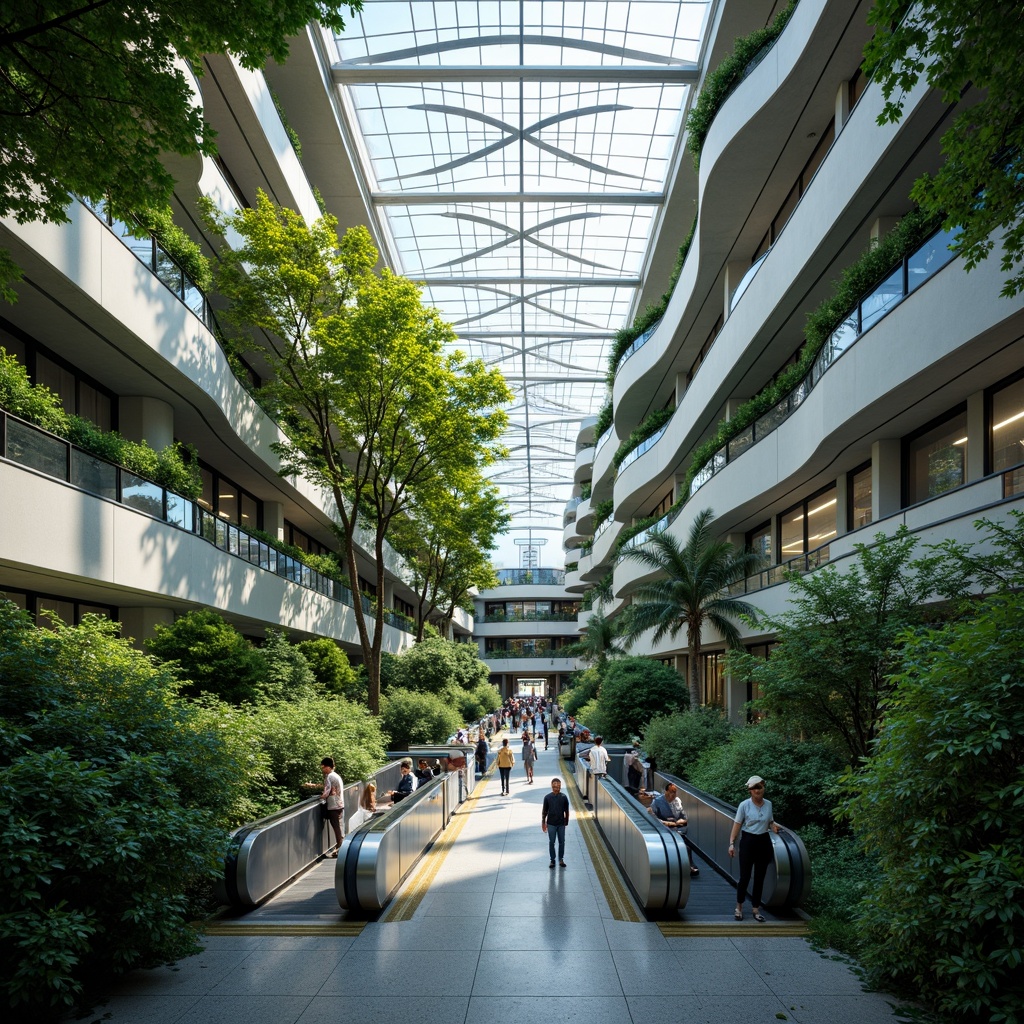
[752, 823]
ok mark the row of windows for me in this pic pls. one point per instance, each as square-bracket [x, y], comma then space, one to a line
[41, 606]
[934, 461]
[530, 609]
[527, 647]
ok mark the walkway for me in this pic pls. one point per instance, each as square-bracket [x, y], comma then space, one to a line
[484, 929]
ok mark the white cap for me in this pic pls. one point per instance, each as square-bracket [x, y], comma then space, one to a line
[755, 780]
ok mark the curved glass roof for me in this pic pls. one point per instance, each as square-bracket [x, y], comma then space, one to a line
[516, 156]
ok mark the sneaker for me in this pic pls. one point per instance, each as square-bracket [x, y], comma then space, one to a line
[561, 863]
[333, 854]
[552, 864]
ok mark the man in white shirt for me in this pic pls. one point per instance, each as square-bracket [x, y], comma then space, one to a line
[599, 757]
[333, 798]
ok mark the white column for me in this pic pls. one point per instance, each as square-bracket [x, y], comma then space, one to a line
[146, 419]
[977, 442]
[886, 478]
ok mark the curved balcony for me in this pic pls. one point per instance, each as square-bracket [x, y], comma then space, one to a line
[574, 581]
[569, 515]
[584, 462]
[572, 537]
[603, 468]
[585, 518]
[605, 539]
[531, 577]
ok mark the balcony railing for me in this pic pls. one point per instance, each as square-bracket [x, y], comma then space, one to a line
[644, 446]
[637, 344]
[28, 445]
[531, 616]
[917, 268]
[509, 655]
[152, 254]
[528, 577]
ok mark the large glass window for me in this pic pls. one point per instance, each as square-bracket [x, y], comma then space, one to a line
[859, 497]
[937, 458]
[1007, 431]
[809, 525]
[760, 542]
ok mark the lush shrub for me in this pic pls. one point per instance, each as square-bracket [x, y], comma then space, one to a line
[591, 716]
[211, 656]
[487, 696]
[801, 777]
[678, 741]
[941, 804]
[470, 671]
[409, 718]
[286, 673]
[114, 798]
[330, 666]
[33, 402]
[584, 688]
[296, 734]
[634, 690]
[427, 667]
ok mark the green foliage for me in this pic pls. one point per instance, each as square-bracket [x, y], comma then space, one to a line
[583, 688]
[599, 641]
[633, 691]
[93, 98]
[186, 252]
[210, 656]
[746, 52]
[410, 718]
[972, 59]
[648, 428]
[692, 579]
[604, 420]
[426, 667]
[836, 645]
[602, 511]
[286, 673]
[330, 666]
[802, 777]
[592, 716]
[678, 741]
[487, 697]
[295, 734]
[293, 135]
[941, 805]
[33, 402]
[114, 799]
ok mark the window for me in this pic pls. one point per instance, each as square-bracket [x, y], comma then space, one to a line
[936, 458]
[1006, 437]
[714, 679]
[858, 491]
[759, 541]
[809, 525]
[663, 506]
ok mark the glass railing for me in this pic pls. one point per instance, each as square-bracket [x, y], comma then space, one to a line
[773, 574]
[644, 446]
[602, 440]
[532, 617]
[509, 655]
[527, 577]
[149, 252]
[637, 344]
[601, 529]
[28, 445]
[747, 278]
[919, 267]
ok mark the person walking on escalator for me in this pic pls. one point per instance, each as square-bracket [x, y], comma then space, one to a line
[333, 799]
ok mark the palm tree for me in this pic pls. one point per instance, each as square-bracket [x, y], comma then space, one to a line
[597, 642]
[691, 590]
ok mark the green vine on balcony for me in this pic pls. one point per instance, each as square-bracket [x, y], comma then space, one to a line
[648, 428]
[604, 420]
[586, 489]
[602, 511]
[175, 467]
[747, 51]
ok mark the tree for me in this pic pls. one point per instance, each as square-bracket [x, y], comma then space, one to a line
[678, 740]
[969, 53]
[210, 656]
[287, 674]
[633, 691]
[941, 804]
[598, 642]
[828, 674]
[691, 590]
[330, 666]
[92, 97]
[410, 718]
[372, 408]
[114, 798]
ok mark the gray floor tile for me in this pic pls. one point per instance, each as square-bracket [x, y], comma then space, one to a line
[530, 973]
[280, 972]
[466, 933]
[195, 975]
[628, 935]
[453, 904]
[386, 1009]
[545, 933]
[719, 972]
[553, 902]
[246, 1010]
[427, 973]
[151, 1009]
[554, 1009]
[866, 1008]
[653, 972]
[685, 1009]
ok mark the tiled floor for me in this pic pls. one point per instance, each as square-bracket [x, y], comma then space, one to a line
[499, 933]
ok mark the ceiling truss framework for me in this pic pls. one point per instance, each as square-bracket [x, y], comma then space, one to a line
[516, 154]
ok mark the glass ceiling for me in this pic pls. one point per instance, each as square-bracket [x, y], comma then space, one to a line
[516, 156]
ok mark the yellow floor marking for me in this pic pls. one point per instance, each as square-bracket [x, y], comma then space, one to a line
[622, 905]
[351, 928]
[768, 930]
[405, 905]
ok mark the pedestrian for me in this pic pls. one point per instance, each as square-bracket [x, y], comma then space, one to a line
[554, 816]
[405, 783]
[529, 756]
[667, 807]
[333, 799]
[544, 726]
[505, 761]
[752, 823]
[482, 749]
[634, 768]
[599, 757]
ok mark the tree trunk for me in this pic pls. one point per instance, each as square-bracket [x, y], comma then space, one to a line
[694, 660]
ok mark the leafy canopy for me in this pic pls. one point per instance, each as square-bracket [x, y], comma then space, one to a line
[969, 53]
[92, 97]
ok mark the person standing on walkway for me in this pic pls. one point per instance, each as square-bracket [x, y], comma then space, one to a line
[529, 756]
[333, 800]
[482, 749]
[554, 816]
[505, 761]
[599, 757]
[752, 823]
